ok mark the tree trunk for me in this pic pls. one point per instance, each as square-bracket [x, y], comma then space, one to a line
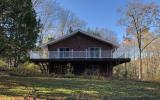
[140, 66]
[15, 62]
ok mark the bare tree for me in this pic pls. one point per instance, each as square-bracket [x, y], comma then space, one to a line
[69, 20]
[56, 19]
[104, 33]
[36, 2]
[47, 11]
[140, 18]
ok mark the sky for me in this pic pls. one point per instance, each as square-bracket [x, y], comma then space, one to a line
[100, 13]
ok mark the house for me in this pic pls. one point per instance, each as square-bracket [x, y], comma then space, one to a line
[81, 50]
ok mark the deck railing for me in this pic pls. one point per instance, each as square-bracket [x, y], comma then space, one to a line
[74, 54]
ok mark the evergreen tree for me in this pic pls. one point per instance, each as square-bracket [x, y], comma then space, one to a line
[70, 30]
[20, 28]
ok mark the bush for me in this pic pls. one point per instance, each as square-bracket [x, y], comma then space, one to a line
[26, 69]
[3, 66]
[30, 67]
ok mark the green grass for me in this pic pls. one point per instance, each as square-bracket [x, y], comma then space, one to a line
[63, 87]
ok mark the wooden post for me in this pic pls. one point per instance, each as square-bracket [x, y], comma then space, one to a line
[72, 54]
[125, 67]
[86, 54]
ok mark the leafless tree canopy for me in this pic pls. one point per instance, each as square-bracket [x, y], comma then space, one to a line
[55, 18]
[142, 22]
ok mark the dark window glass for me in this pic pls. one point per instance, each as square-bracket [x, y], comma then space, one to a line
[63, 52]
[94, 52]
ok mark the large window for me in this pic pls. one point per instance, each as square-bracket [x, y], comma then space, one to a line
[94, 52]
[63, 52]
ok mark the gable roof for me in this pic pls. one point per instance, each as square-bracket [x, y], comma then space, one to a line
[79, 32]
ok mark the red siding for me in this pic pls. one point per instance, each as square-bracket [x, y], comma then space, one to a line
[80, 42]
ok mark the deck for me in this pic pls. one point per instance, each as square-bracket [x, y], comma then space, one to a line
[114, 61]
[79, 57]
[81, 60]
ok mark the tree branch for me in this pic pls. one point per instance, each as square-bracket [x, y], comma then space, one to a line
[149, 43]
[137, 32]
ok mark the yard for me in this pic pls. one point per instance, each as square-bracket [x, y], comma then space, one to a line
[75, 87]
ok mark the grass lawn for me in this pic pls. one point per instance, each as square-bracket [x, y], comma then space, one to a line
[47, 87]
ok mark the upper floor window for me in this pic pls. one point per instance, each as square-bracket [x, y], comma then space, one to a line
[63, 52]
[94, 52]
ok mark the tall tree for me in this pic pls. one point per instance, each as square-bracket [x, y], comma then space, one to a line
[67, 20]
[20, 27]
[104, 33]
[3, 24]
[56, 19]
[139, 18]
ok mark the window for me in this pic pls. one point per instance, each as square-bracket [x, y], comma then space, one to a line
[94, 52]
[63, 52]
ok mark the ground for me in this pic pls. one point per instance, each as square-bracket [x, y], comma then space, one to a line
[64, 87]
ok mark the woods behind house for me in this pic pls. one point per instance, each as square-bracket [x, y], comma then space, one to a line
[26, 24]
[142, 22]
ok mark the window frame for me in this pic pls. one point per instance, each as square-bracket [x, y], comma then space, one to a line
[64, 55]
[94, 55]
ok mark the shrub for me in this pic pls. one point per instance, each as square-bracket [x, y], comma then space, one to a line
[3, 66]
[69, 70]
[26, 69]
[30, 67]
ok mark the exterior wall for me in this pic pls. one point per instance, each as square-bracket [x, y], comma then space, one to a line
[80, 42]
